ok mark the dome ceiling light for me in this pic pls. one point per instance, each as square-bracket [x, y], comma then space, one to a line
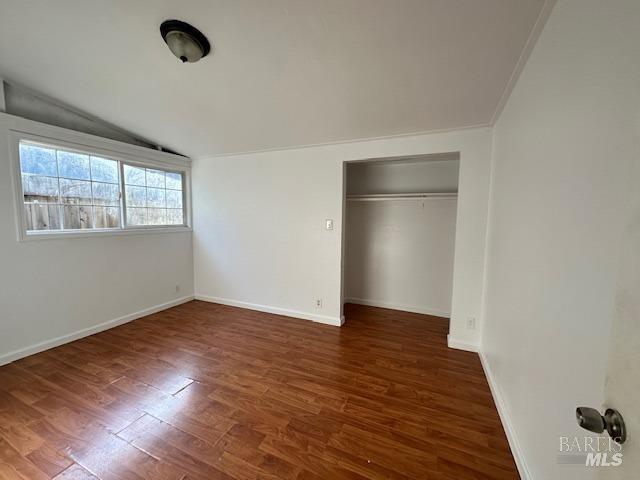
[185, 41]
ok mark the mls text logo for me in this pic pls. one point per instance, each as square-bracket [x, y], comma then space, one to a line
[590, 452]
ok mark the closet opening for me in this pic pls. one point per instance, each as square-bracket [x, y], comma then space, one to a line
[399, 232]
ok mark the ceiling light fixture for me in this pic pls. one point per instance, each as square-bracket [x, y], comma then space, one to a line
[185, 41]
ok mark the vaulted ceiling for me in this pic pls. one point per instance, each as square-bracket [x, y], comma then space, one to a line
[283, 72]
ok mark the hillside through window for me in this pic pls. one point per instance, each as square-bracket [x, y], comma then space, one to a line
[69, 190]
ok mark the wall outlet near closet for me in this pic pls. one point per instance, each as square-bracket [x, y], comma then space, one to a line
[318, 303]
[471, 323]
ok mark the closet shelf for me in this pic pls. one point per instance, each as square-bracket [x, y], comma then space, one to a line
[401, 196]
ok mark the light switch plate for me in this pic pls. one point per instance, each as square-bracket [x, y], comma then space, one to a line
[328, 224]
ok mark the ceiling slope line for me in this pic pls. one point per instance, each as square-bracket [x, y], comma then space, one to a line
[90, 117]
[530, 44]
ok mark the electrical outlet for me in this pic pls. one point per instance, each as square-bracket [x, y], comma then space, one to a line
[471, 323]
[318, 303]
[328, 224]
[177, 288]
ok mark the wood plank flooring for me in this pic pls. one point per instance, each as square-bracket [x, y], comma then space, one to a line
[205, 391]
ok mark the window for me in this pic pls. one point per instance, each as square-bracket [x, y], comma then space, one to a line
[66, 190]
[153, 197]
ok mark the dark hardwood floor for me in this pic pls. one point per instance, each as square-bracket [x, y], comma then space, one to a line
[205, 391]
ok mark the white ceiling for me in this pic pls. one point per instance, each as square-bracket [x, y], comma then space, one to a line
[283, 72]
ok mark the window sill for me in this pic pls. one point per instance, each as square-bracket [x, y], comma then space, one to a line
[47, 235]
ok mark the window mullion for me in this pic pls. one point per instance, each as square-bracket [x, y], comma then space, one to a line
[184, 200]
[146, 198]
[60, 207]
[123, 201]
[93, 203]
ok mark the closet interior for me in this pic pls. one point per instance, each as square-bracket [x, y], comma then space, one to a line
[400, 226]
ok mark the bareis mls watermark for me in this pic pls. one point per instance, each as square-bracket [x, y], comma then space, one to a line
[590, 451]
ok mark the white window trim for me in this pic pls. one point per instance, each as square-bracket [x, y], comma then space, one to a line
[30, 131]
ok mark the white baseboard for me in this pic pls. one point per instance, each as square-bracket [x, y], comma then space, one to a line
[505, 418]
[336, 321]
[460, 345]
[398, 306]
[85, 332]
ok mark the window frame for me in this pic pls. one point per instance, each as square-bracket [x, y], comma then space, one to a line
[105, 148]
[123, 199]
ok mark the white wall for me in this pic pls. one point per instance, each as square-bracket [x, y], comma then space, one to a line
[433, 173]
[399, 254]
[53, 288]
[562, 151]
[259, 237]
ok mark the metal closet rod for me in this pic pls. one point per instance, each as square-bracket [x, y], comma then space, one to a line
[402, 196]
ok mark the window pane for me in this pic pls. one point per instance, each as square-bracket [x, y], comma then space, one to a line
[104, 170]
[174, 181]
[70, 190]
[156, 216]
[40, 189]
[175, 216]
[136, 196]
[42, 216]
[77, 192]
[136, 216]
[73, 165]
[155, 197]
[106, 194]
[38, 160]
[77, 217]
[174, 199]
[134, 175]
[106, 217]
[155, 178]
